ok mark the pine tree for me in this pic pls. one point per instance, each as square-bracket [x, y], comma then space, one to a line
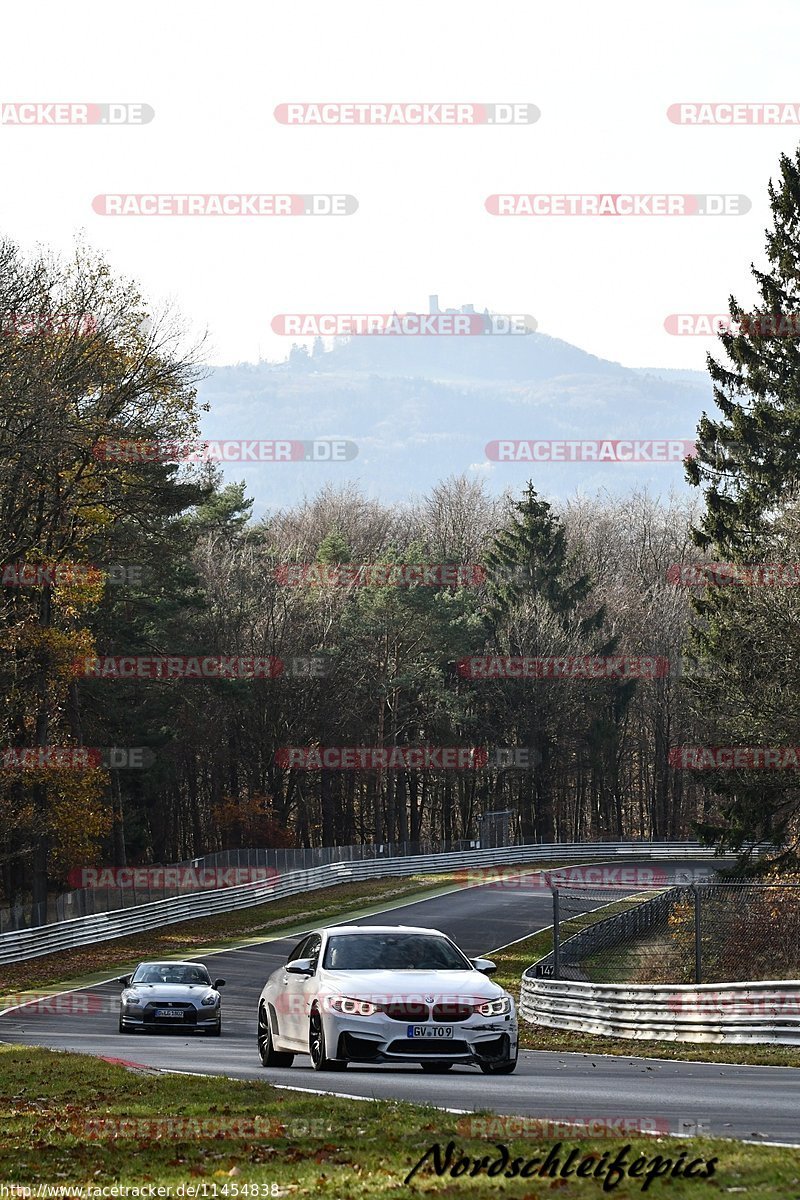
[747, 460]
[530, 555]
[538, 602]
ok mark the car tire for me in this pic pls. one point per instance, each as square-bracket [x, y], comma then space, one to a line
[317, 1048]
[215, 1032]
[502, 1068]
[270, 1057]
[436, 1068]
[124, 1028]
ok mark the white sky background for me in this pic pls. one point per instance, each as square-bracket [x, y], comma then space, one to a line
[602, 75]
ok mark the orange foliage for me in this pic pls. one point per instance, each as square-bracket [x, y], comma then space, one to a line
[251, 822]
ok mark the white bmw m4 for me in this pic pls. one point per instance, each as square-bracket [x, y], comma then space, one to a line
[386, 994]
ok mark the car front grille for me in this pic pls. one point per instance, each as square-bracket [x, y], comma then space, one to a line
[189, 1014]
[445, 1013]
[407, 1012]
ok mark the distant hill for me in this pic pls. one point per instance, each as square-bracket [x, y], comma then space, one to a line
[422, 408]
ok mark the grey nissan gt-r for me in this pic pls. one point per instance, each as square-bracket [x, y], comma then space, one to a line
[171, 995]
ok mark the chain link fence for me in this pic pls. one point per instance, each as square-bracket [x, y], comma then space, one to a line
[706, 932]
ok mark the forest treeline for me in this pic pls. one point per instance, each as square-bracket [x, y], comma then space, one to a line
[176, 566]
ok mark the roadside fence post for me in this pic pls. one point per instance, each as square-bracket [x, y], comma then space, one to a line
[556, 936]
[698, 942]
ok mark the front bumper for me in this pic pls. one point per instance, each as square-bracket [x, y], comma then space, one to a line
[192, 1018]
[379, 1039]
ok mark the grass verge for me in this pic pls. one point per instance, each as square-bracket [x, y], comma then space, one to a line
[71, 1119]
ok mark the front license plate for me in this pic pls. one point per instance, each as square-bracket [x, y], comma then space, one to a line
[176, 1013]
[430, 1031]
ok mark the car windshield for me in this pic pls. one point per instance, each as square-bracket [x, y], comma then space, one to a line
[171, 973]
[393, 952]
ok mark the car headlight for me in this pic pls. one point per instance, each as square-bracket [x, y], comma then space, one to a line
[495, 1008]
[352, 1008]
[210, 1000]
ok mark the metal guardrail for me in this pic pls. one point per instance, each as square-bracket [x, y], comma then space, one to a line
[164, 881]
[20, 945]
[765, 1012]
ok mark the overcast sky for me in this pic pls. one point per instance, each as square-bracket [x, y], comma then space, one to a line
[603, 77]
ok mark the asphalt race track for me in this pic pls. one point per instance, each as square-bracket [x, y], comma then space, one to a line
[662, 1096]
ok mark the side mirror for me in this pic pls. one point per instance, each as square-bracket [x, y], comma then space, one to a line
[218, 983]
[300, 966]
[484, 965]
[125, 981]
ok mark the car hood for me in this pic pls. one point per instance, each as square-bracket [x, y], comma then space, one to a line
[411, 986]
[183, 993]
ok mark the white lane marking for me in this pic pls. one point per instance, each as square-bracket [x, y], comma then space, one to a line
[287, 1087]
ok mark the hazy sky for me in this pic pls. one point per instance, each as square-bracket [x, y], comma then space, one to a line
[603, 77]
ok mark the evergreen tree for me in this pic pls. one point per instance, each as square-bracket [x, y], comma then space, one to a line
[540, 606]
[748, 458]
[747, 461]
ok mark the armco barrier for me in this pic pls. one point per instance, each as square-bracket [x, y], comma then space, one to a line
[19, 945]
[762, 1012]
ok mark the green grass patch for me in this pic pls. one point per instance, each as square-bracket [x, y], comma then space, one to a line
[633, 961]
[72, 1119]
